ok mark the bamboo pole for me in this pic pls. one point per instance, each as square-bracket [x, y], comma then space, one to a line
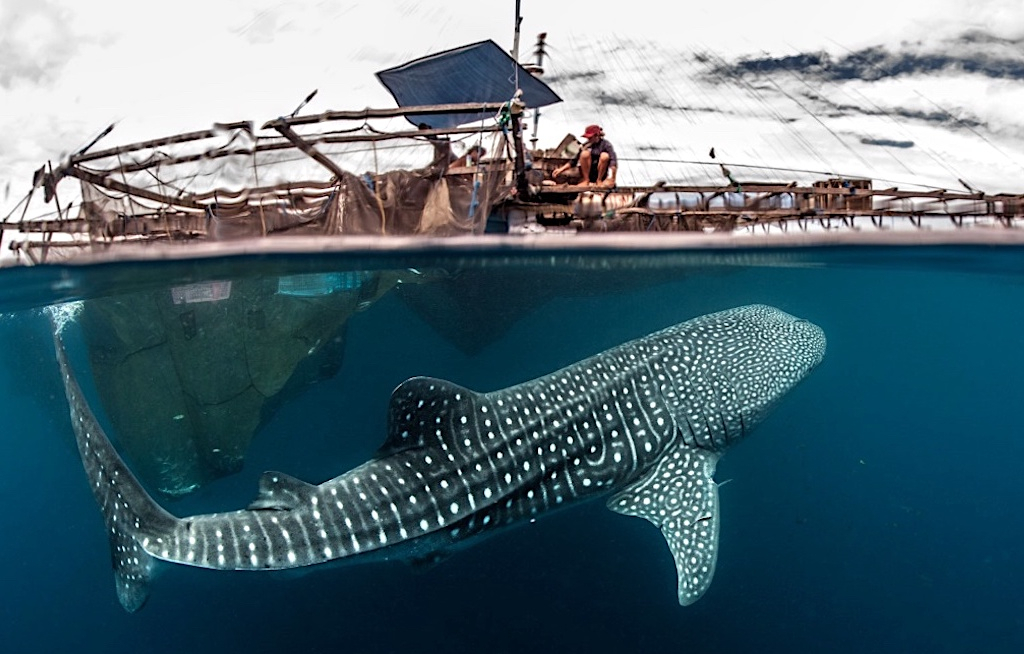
[155, 143]
[121, 187]
[311, 139]
[391, 112]
[311, 151]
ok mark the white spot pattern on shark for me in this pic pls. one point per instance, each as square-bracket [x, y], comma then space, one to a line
[645, 422]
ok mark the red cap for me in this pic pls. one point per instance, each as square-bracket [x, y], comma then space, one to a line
[592, 131]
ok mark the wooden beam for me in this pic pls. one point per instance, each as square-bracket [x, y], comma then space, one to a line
[412, 133]
[155, 143]
[121, 187]
[201, 156]
[363, 114]
[311, 139]
[784, 189]
[311, 151]
[66, 226]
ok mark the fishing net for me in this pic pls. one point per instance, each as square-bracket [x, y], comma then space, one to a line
[376, 183]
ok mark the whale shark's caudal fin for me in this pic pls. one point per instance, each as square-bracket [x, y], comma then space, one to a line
[136, 525]
[680, 497]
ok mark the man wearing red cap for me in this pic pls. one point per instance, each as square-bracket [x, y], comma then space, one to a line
[595, 163]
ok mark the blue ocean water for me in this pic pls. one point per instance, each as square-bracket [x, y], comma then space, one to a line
[877, 509]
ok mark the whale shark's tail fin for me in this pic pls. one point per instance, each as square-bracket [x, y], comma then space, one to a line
[136, 525]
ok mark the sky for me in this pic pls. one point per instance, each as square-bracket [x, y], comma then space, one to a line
[909, 91]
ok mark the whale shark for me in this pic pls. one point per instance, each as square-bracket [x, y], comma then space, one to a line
[642, 425]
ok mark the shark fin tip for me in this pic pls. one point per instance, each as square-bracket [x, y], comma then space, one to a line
[279, 492]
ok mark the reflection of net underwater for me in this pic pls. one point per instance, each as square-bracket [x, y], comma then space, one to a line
[189, 374]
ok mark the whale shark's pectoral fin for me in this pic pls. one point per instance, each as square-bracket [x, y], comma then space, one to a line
[680, 497]
[280, 492]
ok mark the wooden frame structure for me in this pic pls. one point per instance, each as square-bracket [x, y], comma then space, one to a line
[827, 204]
[823, 204]
[182, 214]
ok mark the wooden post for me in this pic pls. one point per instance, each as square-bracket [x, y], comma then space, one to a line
[516, 112]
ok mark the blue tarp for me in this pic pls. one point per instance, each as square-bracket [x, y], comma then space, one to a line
[480, 72]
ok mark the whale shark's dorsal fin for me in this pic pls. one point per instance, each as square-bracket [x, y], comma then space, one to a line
[280, 492]
[680, 497]
[420, 407]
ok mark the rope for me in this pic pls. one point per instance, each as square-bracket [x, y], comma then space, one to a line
[474, 201]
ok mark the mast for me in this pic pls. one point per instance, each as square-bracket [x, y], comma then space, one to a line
[516, 114]
[515, 40]
[537, 69]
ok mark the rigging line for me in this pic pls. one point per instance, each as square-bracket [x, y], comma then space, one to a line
[632, 66]
[672, 91]
[124, 179]
[752, 92]
[820, 122]
[959, 121]
[279, 160]
[192, 180]
[693, 89]
[274, 159]
[38, 218]
[640, 60]
[971, 129]
[741, 83]
[888, 115]
[819, 97]
[931, 154]
[717, 65]
[160, 182]
[775, 142]
[24, 200]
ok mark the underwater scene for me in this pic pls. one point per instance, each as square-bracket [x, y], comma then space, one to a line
[867, 494]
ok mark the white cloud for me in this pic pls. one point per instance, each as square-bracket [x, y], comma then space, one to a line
[35, 42]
